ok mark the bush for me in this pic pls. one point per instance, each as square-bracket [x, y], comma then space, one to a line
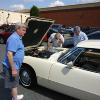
[34, 11]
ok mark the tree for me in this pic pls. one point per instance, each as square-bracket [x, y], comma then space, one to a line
[34, 11]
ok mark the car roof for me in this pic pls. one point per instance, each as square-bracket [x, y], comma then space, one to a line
[90, 44]
[95, 32]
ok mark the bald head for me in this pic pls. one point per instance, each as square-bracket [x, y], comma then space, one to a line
[57, 35]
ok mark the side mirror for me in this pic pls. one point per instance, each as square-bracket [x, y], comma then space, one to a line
[70, 64]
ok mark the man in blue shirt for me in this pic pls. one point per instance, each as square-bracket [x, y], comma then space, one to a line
[78, 35]
[13, 59]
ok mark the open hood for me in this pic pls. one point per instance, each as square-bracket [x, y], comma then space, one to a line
[37, 29]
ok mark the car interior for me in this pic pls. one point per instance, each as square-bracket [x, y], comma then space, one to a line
[89, 60]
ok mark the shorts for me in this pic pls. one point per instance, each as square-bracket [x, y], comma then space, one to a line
[10, 81]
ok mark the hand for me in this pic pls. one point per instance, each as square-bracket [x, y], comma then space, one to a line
[14, 72]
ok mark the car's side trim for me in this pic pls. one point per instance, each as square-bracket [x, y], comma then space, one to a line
[71, 91]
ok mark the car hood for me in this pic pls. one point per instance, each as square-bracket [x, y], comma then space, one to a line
[37, 29]
[54, 57]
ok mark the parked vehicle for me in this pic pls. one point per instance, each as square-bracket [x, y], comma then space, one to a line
[64, 31]
[89, 30]
[94, 35]
[74, 72]
[56, 26]
[7, 30]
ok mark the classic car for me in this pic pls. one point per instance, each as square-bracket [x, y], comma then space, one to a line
[74, 72]
[7, 30]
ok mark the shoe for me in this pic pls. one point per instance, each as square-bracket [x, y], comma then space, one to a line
[20, 97]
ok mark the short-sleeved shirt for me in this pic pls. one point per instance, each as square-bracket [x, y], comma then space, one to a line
[15, 45]
[78, 38]
[54, 41]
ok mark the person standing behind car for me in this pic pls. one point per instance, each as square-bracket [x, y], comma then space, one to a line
[55, 40]
[78, 35]
[13, 60]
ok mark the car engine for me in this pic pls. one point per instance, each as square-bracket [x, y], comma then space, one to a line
[37, 52]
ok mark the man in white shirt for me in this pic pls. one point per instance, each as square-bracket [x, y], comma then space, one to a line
[78, 35]
[55, 40]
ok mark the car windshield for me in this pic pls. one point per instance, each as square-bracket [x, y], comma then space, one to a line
[70, 55]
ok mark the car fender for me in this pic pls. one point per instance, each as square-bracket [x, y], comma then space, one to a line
[41, 67]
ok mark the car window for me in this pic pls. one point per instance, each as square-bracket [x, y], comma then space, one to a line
[56, 26]
[71, 55]
[94, 36]
[89, 60]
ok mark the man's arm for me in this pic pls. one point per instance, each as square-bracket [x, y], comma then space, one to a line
[50, 41]
[86, 38]
[49, 45]
[11, 62]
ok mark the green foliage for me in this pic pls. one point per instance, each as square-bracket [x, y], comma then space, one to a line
[34, 11]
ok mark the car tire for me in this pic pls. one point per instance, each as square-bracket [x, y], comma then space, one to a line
[1, 40]
[27, 77]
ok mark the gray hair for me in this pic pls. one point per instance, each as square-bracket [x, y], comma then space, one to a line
[20, 25]
[76, 29]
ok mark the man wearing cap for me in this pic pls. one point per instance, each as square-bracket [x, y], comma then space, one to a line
[78, 35]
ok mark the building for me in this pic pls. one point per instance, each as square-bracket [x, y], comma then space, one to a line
[9, 17]
[82, 14]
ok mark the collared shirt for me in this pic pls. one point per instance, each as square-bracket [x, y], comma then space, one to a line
[15, 45]
[54, 41]
[78, 38]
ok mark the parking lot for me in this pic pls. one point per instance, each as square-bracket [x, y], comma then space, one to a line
[40, 93]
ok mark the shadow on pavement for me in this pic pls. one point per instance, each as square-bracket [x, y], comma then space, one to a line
[39, 93]
[4, 93]
[52, 94]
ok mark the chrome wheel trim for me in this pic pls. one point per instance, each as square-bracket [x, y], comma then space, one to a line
[25, 78]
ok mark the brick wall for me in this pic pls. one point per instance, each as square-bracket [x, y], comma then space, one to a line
[71, 17]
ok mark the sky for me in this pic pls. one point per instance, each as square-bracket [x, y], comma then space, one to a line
[27, 4]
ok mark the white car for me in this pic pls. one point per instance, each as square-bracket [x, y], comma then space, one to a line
[74, 72]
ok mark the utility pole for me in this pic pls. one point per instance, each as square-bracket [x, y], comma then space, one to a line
[21, 18]
[7, 18]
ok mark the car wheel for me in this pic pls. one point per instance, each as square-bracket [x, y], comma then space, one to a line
[27, 77]
[1, 40]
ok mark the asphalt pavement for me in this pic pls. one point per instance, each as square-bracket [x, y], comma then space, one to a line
[39, 93]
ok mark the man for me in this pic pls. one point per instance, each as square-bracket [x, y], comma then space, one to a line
[78, 35]
[13, 59]
[55, 40]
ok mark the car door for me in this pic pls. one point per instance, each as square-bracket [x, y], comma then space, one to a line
[75, 81]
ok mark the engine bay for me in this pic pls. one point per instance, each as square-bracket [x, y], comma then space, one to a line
[42, 52]
[37, 52]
